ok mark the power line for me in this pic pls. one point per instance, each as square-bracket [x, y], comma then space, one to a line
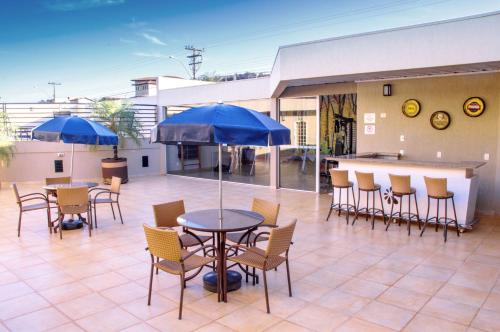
[195, 59]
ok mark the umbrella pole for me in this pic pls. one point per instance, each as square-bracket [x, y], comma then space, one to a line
[220, 183]
[72, 157]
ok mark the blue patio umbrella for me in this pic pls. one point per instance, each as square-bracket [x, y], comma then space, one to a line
[219, 124]
[74, 130]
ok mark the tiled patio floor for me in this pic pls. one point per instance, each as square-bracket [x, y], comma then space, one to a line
[344, 278]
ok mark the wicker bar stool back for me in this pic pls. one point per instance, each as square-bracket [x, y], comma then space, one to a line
[437, 189]
[340, 181]
[401, 188]
[366, 183]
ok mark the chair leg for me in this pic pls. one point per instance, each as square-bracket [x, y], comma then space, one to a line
[381, 204]
[183, 284]
[19, 223]
[373, 210]
[357, 206]
[288, 277]
[157, 261]
[409, 215]
[416, 207]
[95, 215]
[347, 208]
[437, 216]
[426, 216]
[151, 281]
[331, 205]
[89, 221]
[400, 209]
[390, 216]
[112, 210]
[119, 211]
[455, 214]
[48, 218]
[340, 200]
[265, 291]
[367, 204]
[61, 218]
[445, 220]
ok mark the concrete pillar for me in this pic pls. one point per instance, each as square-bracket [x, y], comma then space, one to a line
[274, 160]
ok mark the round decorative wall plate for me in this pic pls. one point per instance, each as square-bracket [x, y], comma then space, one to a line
[411, 108]
[440, 120]
[474, 106]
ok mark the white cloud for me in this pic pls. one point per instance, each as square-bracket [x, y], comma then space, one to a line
[150, 55]
[73, 5]
[153, 39]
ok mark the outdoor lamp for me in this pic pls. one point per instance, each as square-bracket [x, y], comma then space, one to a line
[387, 90]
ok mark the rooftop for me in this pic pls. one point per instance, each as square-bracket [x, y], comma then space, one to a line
[343, 277]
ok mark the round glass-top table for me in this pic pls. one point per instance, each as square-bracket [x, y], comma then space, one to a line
[232, 221]
[70, 224]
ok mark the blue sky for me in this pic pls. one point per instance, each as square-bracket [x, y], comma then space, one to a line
[94, 47]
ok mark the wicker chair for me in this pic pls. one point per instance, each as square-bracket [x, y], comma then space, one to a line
[111, 196]
[166, 217]
[165, 246]
[275, 254]
[41, 200]
[269, 211]
[58, 180]
[73, 200]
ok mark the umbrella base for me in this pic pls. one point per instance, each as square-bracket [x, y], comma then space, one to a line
[233, 281]
[71, 224]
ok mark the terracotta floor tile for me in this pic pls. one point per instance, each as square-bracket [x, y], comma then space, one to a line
[22, 305]
[381, 276]
[404, 298]
[338, 301]
[281, 304]
[85, 306]
[15, 289]
[37, 321]
[419, 285]
[470, 296]
[486, 320]
[103, 281]
[455, 312]
[69, 327]
[432, 272]
[125, 293]
[359, 325]
[287, 326]
[426, 323]
[141, 327]
[493, 302]
[318, 318]
[140, 309]
[217, 309]
[363, 288]
[214, 327]
[65, 292]
[114, 319]
[385, 315]
[169, 322]
[248, 319]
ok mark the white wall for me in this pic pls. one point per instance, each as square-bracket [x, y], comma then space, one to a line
[34, 161]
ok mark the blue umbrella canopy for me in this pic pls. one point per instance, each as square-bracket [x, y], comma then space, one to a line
[76, 130]
[220, 124]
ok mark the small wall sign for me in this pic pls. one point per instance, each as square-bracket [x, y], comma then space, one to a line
[369, 117]
[411, 108]
[369, 129]
[440, 120]
[474, 106]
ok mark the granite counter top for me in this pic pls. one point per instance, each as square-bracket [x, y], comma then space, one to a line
[396, 159]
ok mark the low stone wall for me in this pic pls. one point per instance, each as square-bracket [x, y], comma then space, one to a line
[34, 161]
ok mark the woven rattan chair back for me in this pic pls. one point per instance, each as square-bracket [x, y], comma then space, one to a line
[166, 214]
[340, 178]
[73, 200]
[58, 180]
[16, 193]
[436, 187]
[268, 210]
[280, 239]
[163, 243]
[400, 183]
[116, 183]
[366, 181]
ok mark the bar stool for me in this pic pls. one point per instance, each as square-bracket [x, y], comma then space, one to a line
[366, 183]
[400, 185]
[437, 189]
[340, 180]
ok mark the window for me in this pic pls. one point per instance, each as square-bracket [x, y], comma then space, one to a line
[300, 133]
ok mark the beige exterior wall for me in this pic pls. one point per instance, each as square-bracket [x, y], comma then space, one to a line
[34, 161]
[465, 139]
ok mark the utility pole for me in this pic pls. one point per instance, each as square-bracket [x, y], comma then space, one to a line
[195, 59]
[54, 89]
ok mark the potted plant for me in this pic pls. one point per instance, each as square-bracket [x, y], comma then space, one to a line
[120, 118]
[6, 141]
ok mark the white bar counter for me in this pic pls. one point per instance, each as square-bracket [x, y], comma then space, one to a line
[462, 177]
